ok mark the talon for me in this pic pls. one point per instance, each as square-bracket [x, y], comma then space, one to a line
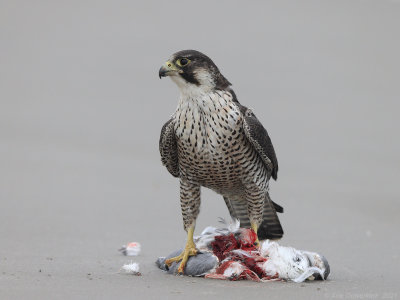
[255, 229]
[190, 250]
[183, 257]
[171, 260]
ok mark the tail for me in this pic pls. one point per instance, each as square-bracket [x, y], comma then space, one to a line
[270, 227]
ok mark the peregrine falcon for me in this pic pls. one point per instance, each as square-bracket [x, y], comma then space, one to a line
[211, 140]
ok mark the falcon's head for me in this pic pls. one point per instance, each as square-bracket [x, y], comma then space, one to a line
[192, 70]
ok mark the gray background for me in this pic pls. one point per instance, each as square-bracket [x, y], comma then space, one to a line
[81, 108]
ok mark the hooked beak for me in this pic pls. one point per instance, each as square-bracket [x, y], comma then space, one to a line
[168, 69]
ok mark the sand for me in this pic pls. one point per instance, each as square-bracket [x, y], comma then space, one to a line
[81, 108]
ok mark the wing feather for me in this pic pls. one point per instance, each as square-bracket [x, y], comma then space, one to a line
[169, 148]
[259, 138]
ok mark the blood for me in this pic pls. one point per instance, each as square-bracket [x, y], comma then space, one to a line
[223, 245]
[249, 257]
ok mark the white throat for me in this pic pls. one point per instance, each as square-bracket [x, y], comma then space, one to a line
[190, 90]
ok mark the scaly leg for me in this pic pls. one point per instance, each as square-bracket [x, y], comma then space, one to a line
[190, 250]
[255, 229]
[190, 205]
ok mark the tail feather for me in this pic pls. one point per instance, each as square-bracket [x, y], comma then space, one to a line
[270, 227]
[277, 207]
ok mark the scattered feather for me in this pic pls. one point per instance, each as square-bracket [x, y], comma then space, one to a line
[131, 249]
[131, 268]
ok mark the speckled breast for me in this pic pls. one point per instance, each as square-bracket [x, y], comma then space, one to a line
[211, 141]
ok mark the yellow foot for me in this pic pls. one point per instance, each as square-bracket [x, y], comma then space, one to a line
[190, 250]
[255, 228]
[183, 257]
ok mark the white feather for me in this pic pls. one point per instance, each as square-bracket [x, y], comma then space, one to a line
[234, 268]
[288, 262]
[308, 273]
[131, 268]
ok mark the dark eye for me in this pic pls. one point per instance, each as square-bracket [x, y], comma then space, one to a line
[183, 61]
